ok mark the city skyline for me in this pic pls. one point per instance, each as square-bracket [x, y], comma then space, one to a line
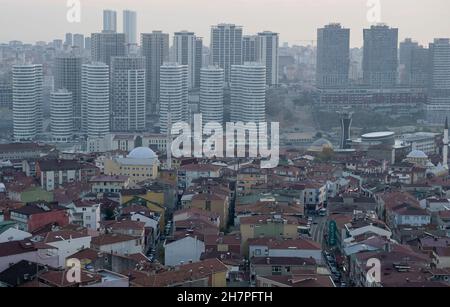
[300, 18]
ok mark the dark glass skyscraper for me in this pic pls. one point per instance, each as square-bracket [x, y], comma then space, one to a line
[128, 94]
[226, 47]
[67, 75]
[414, 64]
[333, 56]
[380, 60]
[106, 45]
[155, 49]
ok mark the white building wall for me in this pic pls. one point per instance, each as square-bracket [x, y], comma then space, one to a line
[13, 234]
[69, 247]
[123, 248]
[183, 250]
[40, 257]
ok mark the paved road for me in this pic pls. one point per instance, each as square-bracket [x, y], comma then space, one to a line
[317, 231]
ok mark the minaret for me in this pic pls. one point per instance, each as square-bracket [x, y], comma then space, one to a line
[445, 150]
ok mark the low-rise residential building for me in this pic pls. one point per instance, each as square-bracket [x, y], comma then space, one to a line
[127, 227]
[400, 266]
[387, 200]
[215, 203]
[248, 177]
[205, 273]
[109, 184]
[26, 189]
[17, 152]
[407, 214]
[152, 207]
[296, 280]
[183, 248]
[99, 279]
[363, 228]
[267, 266]
[158, 192]
[314, 196]
[9, 231]
[435, 204]
[39, 214]
[277, 226]
[441, 257]
[117, 244]
[16, 251]
[291, 248]
[151, 221]
[67, 243]
[55, 173]
[223, 243]
[85, 213]
[194, 213]
[443, 222]
[94, 260]
[190, 172]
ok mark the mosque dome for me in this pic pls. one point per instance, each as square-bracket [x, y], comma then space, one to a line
[320, 145]
[417, 154]
[142, 153]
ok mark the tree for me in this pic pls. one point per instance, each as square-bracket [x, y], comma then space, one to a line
[327, 154]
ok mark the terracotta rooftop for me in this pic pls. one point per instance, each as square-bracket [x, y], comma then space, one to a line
[123, 224]
[111, 239]
[184, 273]
[208, 197]
[265, 219]
[191, 212]
[273, 243]
[270, 208]
[223, 239]
[55, 236]
[305, 280]
[200, 168]
[269, 261]
[56, 278]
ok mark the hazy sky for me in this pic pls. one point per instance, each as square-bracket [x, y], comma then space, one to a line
[295, 20]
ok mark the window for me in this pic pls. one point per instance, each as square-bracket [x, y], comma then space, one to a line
[276, 270]
[257, 252]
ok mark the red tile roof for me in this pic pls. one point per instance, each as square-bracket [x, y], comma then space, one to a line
[299, 243]
[57, 278]
[304, 280]
[184, 273]
[55, 236]
[111, 239]
[265, 219]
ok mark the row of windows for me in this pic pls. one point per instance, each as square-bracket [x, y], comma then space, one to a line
[135, 168]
